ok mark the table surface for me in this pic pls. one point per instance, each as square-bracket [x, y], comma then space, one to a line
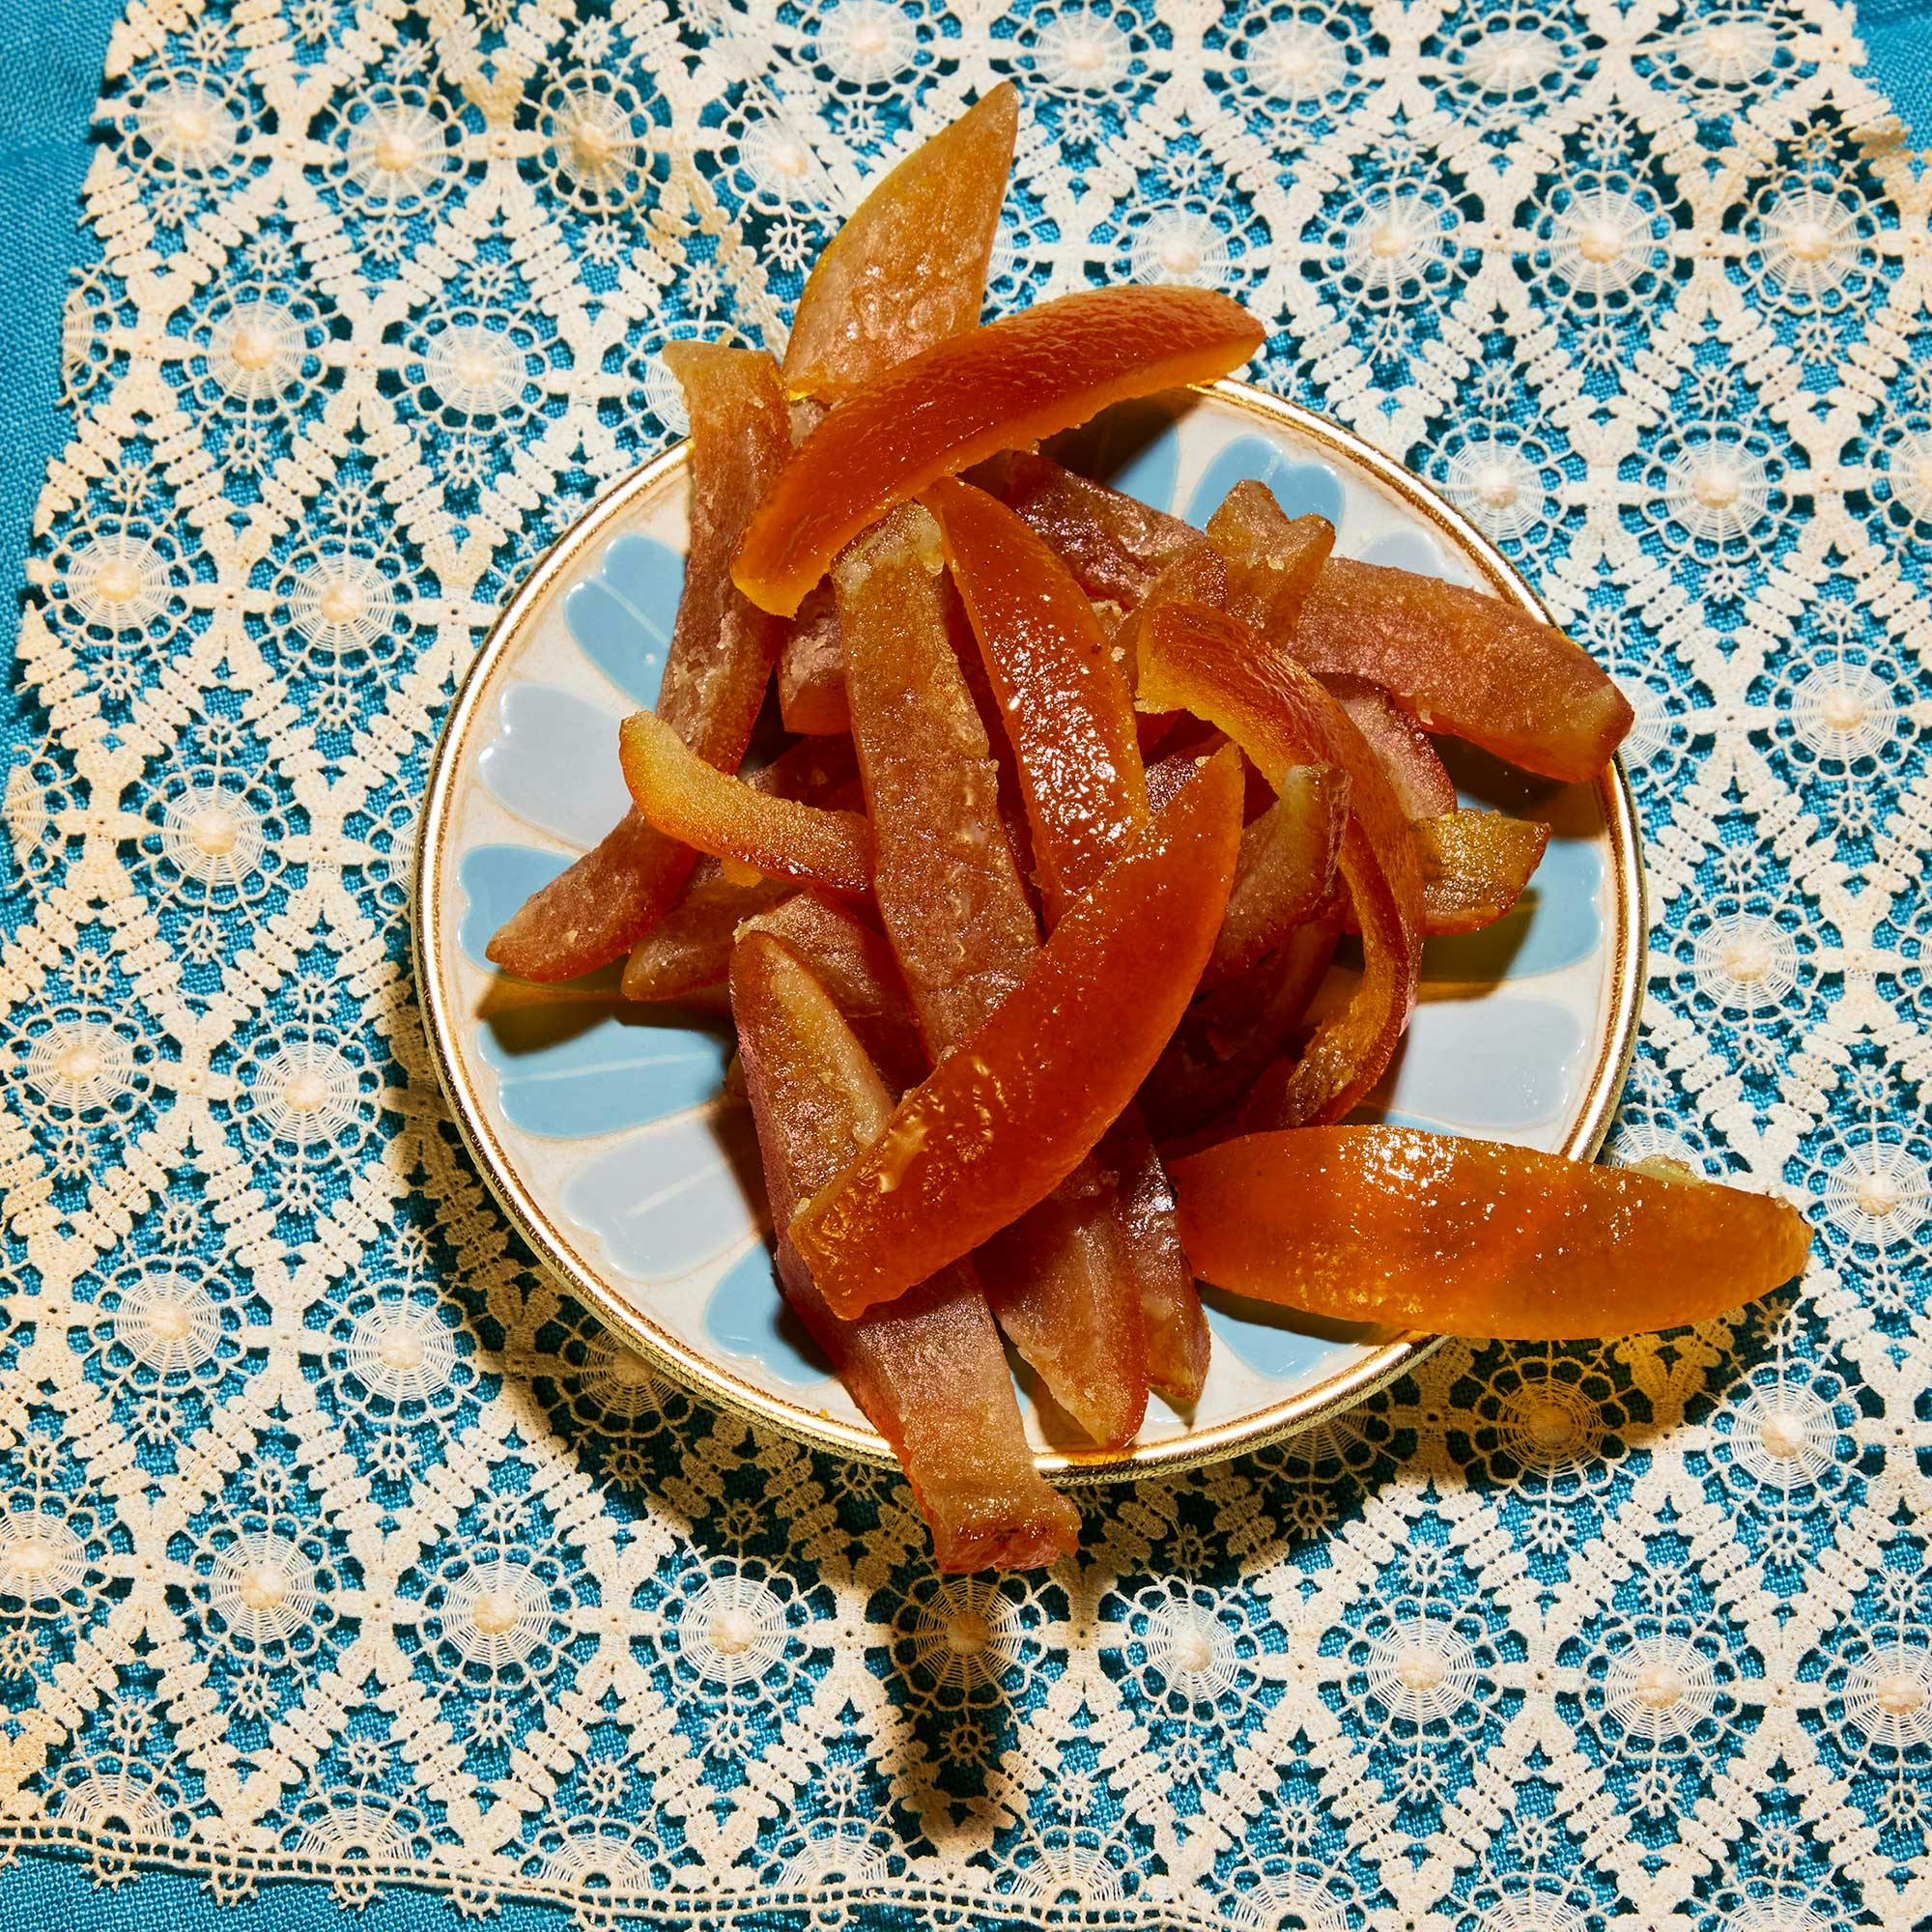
[1558, 1638]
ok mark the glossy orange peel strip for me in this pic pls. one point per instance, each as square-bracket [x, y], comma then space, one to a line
[716, 673]
[1460, 1236]
[1278, 714]
[968, 397]
[1062, 700]
[1060, 691]
[908, 267]
[1012, 1110]
[686, 799]
[1475, 866]
[947, 889]
[1174, 1329]
[950, 892]
[1466, 664]
[929, 1370]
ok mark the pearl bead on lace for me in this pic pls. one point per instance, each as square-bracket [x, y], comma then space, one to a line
[1744, 961]
[865, 41]
[1081, 51]
[1295, 60]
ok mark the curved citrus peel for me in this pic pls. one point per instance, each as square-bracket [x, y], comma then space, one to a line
[952, 899]
[1475, 865]
[716, 671]
[1468, 665]
[1062, 693]
[1228, 1039]
[1271, 561]
[1469, 1238]
[909, 266]
[1194, 576]
[686, 799]
[856, 967]
[1056, 1282]
[944, 876]
[1174, 1330]
[968, 397]
[929, 1370]
[1201, 660]
[1460, 661]
[1011, 1111]
[690, 947]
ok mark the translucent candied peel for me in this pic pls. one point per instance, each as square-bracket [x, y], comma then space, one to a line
[1460, 1236]
[1280, 718]
[716, 673]
[1008, 1114]
[929, 1370]
[966, 398]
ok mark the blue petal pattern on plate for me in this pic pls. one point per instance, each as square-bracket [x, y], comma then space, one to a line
[746, 1317]
[1302, 488]
[575, 1069]
[663, 1196]
[1501, 1065]
[622, 618]
[666, 1200]
[541, 730]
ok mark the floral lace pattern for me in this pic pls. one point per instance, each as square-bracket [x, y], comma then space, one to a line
[334, 1540]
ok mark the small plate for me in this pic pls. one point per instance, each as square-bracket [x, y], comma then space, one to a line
[601, 1127]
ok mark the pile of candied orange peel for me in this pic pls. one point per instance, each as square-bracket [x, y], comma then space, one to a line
[1023, 927]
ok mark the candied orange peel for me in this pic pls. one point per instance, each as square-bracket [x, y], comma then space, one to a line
[908, 267]
[715, 674]
[1475, 866]
[1006, 1115]
[1415, 1230]
[1202, 659]
[929, 1370]
[1061, 691]
[971, 396]
[711, 812]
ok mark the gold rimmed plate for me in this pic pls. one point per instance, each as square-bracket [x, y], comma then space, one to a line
[603, 1129]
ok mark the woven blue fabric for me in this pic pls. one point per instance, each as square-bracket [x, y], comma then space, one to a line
[1588, 1768]
[51, 54]
[1898, 41]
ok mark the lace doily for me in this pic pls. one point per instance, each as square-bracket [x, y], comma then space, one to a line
[334, 1542]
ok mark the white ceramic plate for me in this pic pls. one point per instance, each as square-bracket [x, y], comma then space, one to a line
[600, 1126]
